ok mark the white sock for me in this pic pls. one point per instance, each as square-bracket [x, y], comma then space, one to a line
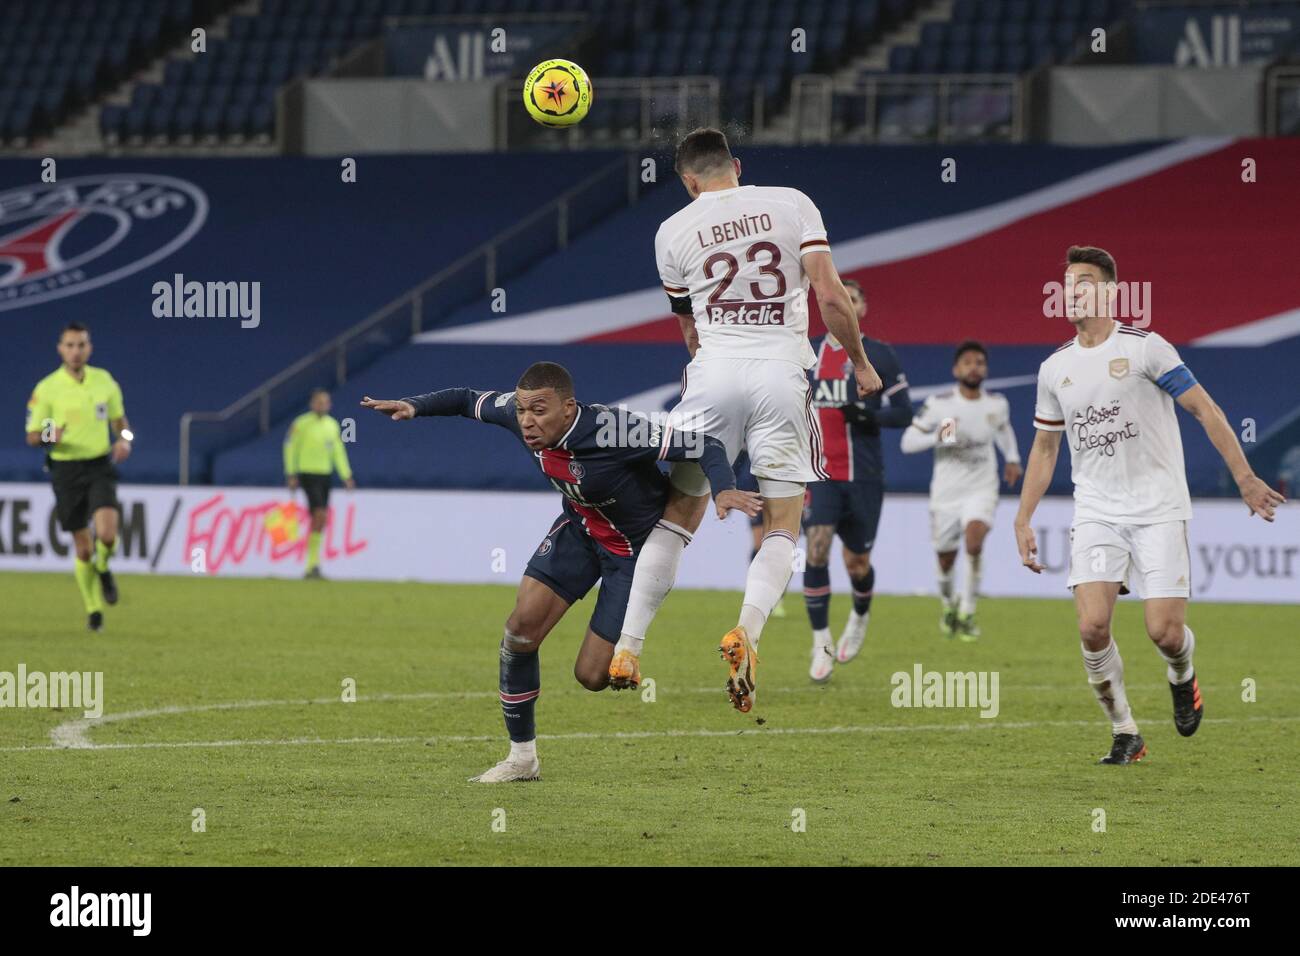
[524, 751]
[769, 575]
[945, 585]
[822, 638]
[627, 642]
[857, 621]
[970, 584]
[1180, 669]
[656, 570]
[1106, 678]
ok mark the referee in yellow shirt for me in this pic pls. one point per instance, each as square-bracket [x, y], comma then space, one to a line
[313, 449]
[69, 414]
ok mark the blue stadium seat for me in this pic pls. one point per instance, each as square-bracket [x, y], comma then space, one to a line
[1011, 33]
[902, 59]
[986, 60]
[934, 35]
[112, 120]
[930, 59]
[1016, 11]
[1015, 58]
[964, 11]
[959, 59]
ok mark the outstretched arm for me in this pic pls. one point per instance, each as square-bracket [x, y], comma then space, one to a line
[1259, 497]
[496, 408]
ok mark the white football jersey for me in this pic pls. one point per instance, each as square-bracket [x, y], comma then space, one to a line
[738, 254]
[966, 431]
[1115, 403]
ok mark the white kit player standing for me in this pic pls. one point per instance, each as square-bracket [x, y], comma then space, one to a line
[963, 426]
[736, 263]
[1110, 391]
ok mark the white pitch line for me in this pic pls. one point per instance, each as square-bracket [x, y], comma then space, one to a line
[617, 735]
[73, 734]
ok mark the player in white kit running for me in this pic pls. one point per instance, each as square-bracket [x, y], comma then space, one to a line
[963, 426]
[736, 263]
[1111, 391]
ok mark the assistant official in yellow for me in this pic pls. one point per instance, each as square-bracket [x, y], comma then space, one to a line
[313, 450]
[70, 414]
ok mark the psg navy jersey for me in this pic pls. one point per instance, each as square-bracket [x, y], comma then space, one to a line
[605, 466]
[851, 425]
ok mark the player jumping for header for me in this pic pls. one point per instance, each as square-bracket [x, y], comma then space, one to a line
[736, 263]
[1112, 389]
[603, 461]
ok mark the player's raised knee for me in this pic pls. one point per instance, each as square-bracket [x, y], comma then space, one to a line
[591, 677]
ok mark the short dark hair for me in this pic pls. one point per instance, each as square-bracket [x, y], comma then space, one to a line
[854, 283]
[970, 345]
[547, 375]
[74, 327]
[702, 150]
[1093, 256]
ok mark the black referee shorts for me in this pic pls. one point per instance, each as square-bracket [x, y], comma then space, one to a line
[317, 488]
[81, 488]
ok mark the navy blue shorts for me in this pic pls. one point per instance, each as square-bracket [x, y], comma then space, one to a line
[852, 507]
[569, 562]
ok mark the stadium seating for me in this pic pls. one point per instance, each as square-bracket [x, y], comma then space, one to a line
[229, 92]
[56, 57]
[1004, 36]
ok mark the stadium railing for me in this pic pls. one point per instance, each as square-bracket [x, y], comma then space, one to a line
[469, 278]
[656, 108]
[912, 107]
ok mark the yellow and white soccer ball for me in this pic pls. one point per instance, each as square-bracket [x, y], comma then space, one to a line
[557, 93]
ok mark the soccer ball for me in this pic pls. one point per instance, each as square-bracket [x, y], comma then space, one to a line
[557, 93]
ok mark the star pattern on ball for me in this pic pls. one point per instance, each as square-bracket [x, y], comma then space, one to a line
[554, 91]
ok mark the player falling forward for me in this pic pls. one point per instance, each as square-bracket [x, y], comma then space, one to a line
[963, 426]
[1112, 388]
[849, 503]
[603, 461]
[736, 264]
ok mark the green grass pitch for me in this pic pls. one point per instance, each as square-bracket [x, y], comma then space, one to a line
[231, 691]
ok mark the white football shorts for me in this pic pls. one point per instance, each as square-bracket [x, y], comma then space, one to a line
[763, 406]
[948, 523]
[1154, 557]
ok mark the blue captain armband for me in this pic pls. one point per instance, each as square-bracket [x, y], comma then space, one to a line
[1177, 380]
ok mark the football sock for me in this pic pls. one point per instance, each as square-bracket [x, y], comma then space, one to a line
[945, 584]
[102, 553]
[523, 750]
[863, 588]
[822, 638]
[521, 683]
[1180, 668]
[1106, 678]
[816, 595]
[970, 584]
[88, 585]
[313, 549]
[769, 574]
[656, 570]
